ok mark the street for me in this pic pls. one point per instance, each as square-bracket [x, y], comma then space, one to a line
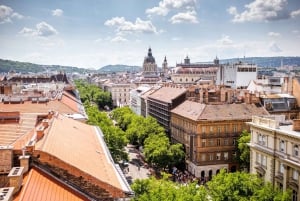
[136, 168]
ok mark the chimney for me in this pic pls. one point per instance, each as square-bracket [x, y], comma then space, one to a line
[45, 123]
[50, 114]
[6, 194]
[296, 124]
[15, 177]
[39, 133]
[6, 155]
[24, 161]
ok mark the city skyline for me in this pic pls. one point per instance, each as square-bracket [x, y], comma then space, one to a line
[96, 33]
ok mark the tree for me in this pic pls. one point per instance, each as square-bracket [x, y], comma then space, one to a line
[160, 153]
[164, 189]
[93, 94]
[122, 116]
[242, 186]
[244, 149]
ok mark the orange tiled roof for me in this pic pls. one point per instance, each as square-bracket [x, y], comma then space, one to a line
[29, 107]
[199, 111]
[80, 145]
[71, 101]
[37, 186]
[167, 94]
[10, 133]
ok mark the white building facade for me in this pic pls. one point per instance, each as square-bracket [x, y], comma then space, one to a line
[136, 100]
[274, 152]
[236, 75]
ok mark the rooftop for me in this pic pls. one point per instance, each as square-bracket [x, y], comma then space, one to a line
[83, 147]
[40, 186]
[10, 133]
[198, 111]
[40, 108]
[167, 94]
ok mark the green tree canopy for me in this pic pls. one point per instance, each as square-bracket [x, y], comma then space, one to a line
[93, 94]
[242, 186]
[160, 153]
[244, 149]
[164, 189]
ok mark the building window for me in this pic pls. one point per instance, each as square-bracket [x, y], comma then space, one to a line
[281, 168]
[262, 139]
[226, 141]
[234, 128]
[226, 129]
[210, 142]
[264, 160]
[218, 142]
[219, 130]
[258, 159]
[295, 175]
[203, 129]
[225, 155]
[211, 129]
[282, 146]
[203, 142]
[218, 156]
[295, 195]
[234, 155]
[211, 157]
[233, 141]
[296, 150]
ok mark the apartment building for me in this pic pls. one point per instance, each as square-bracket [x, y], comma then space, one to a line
[274, 151]
[209, 134]
[162, 101]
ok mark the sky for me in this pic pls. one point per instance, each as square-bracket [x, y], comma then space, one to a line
[95, 33]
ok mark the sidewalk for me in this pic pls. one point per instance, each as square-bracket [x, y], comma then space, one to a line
[135, 166]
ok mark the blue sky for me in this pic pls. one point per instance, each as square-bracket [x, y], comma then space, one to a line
[94, 33]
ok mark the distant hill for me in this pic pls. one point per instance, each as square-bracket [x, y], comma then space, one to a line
[119, 68]
[25, 67]
[267, 61]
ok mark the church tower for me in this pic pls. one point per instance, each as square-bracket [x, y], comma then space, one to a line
[165, 66]
[149, 65]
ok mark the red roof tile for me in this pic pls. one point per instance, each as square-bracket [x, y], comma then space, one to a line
[81, 146]
[37, 186]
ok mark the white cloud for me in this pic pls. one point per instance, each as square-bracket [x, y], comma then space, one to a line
[261, 10]
[188, 17]
[273, 34]
[118, 39]
[42, 29]
[176, 39]
[165, 6]
[225, 41]
[6, 14]
[273, 47]
[98, 40]
[295, 13]
[123, 26]
[295, 31]
[57, 12]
